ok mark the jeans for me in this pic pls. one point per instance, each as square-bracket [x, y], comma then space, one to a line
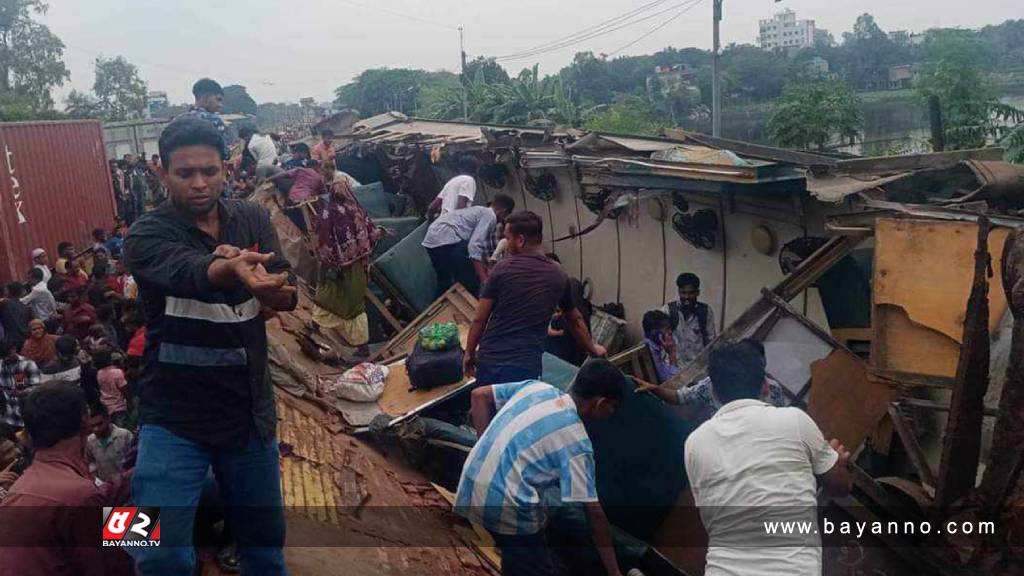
[452, 264]
[488, 374]
[527, 555]
[170, 474]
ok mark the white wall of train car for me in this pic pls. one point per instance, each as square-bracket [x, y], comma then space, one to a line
[637, 265]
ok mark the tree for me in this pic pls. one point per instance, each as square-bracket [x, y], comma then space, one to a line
[815, 114]
[82, 105]
[972, 114]
[627, 116]
[869, 53]
[387, 89]
[31, 60]
[119, 89]
[491, 71]
[238, 101]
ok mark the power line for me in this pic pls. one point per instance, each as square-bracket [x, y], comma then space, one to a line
[398, 14]
[693, 5]
[588, 30]
[595, 34]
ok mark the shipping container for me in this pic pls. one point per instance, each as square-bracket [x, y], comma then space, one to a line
[55, 186]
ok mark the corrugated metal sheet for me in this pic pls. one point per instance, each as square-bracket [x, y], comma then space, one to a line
[55, 185]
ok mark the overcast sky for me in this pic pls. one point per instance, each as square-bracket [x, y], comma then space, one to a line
[283, 50]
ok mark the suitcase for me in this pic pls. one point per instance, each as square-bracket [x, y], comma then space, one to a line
[429, 369]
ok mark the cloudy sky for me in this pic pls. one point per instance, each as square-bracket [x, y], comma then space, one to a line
[284, 50]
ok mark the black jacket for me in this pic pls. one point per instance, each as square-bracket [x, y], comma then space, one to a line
[204, 370]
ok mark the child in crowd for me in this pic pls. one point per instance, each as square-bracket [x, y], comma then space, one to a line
[97, 339]
[107, 446]
[113, 387]
[659, 338]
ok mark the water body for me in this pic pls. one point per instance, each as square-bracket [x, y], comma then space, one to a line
[895, 123]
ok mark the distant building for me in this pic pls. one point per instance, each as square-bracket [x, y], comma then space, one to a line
[906, 37]
[156, 104]
[669, 80]
[902, 76]
[785, 31]
[817, 66]
[822, 36]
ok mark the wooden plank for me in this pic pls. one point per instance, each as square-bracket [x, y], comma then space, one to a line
[961, 443]
[911, 380]
[398, 399]
[909, 163]
[1005, 469]
[913, 447]
[456, 305]
[790, 287]
[388, 316]
[929, 405]
[843, 401]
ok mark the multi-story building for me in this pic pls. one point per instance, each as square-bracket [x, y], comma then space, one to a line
[785, 31]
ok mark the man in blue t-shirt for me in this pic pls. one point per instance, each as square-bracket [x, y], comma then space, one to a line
[534, 453]
[515, 309]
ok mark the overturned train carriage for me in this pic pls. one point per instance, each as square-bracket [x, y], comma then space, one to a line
[626, 214]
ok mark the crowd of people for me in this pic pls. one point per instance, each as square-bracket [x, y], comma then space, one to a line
[134, 369]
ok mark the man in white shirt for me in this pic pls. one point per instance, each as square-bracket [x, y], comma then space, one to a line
[40, 300]
[261, 146]
[752, 464]
[39, 262]
[459, 192]
[457, 243]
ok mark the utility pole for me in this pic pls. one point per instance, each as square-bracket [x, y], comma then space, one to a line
[465, 91]
[716, 87]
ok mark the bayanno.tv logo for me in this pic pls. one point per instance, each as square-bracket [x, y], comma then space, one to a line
[131, 527]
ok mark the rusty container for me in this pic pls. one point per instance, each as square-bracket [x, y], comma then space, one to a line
[55, 185]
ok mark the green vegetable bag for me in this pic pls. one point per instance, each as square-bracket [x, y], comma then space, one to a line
[439, 336]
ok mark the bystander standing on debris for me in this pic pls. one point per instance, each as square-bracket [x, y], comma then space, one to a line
[532, 452]
[754, 463]
[209, 99]
[693, 322]
[324, 150]
[15, 314]
[207, 267]
[346, 237]
[459, 192]
[457, 243]
[516, 306]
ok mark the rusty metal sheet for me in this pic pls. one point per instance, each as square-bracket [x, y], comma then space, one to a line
[55, 186]
[922, 271]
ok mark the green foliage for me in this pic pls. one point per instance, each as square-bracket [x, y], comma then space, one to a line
[31, 61]
[238, 101]
[628, 116]
[815, 114]
[388, 89]
[119, 89]
[82, 105]
[971, 112]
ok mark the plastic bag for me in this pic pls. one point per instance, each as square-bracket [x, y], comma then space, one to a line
[362, 383]
[439, 336]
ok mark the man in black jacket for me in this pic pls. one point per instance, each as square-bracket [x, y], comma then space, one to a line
[207, 269]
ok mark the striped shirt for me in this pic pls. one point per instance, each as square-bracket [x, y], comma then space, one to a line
[16, 377]
[534, 454]
[204, 368]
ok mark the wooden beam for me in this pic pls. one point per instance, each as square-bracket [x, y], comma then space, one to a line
[912, 380]
[929, 405]
[961, 443]
[388, 316]
[886, 164]
[1005, 470]
[910, 442]
[790, 287]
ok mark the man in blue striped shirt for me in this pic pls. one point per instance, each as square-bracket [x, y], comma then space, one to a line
[534, 452]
